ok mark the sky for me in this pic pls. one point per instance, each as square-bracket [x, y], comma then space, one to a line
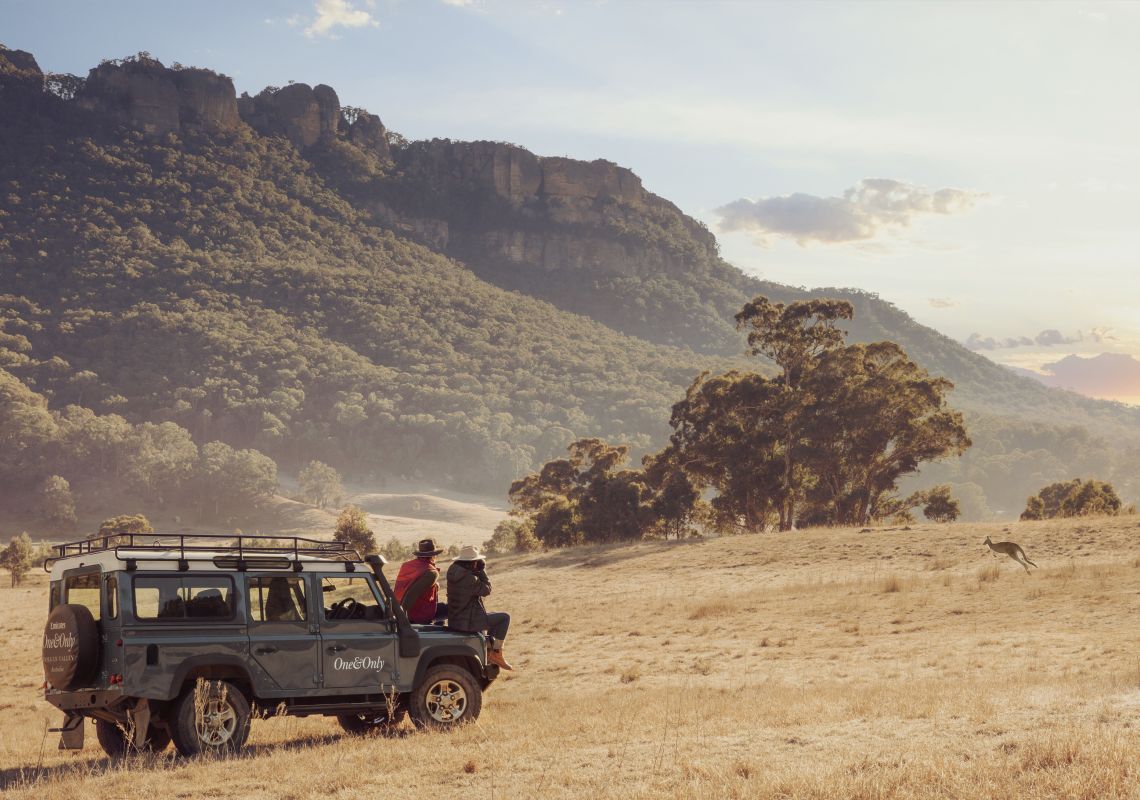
[978, 165]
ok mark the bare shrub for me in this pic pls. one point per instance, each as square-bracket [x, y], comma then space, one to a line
[989, 574]
[890, 584]
[715, 608]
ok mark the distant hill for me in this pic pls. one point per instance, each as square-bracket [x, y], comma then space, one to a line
[283, 274]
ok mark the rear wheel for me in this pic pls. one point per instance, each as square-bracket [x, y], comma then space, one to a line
[210, 717]
[113, 739]
[379, 721]
[448, 696]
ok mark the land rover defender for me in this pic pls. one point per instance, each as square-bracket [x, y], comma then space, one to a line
[187, 637]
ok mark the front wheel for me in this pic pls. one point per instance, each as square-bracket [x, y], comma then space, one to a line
[210, 717]
[447, 697]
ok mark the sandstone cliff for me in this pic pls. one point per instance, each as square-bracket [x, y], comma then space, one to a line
[20, 75]
[144, 94]
[12, 61]
[366, 131]
[303, 114]
[496, 203]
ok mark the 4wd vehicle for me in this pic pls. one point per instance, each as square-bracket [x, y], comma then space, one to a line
[187, 637]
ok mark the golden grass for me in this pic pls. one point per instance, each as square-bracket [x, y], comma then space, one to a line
[767, 666]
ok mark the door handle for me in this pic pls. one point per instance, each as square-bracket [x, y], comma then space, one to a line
[263, 651]
[336, 648]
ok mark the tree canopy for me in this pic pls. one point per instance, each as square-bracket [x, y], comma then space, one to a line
[352, 527]
[18, 557]
[1074, 498]
[827, 439]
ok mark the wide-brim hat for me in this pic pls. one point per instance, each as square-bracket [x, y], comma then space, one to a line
[426, 547]
[470, 553]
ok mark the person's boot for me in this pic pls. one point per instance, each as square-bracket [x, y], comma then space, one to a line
[495, 656]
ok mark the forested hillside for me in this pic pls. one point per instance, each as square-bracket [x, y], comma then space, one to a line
[284, 276]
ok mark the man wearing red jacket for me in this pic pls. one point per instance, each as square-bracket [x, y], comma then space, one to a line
[416, 586]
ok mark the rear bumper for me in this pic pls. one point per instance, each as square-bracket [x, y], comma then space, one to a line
[84, 699]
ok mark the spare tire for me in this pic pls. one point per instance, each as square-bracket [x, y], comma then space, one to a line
[71, 647]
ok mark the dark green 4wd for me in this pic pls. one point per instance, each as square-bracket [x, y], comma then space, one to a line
[159, 637]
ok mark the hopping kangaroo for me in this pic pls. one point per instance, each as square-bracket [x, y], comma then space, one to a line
[1011, 549]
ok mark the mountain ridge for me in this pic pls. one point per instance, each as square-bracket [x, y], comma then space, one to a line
[370, 260]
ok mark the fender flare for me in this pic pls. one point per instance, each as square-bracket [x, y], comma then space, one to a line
[228, 666]
[433, 654]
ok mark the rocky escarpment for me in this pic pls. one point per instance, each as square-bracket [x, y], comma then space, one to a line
[310, 116]
[299, 112]
[144, 94]
[20, 75]
[366, 131]
[498, 204]
[141, 93]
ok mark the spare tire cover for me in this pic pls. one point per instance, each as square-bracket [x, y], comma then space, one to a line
[71, 647]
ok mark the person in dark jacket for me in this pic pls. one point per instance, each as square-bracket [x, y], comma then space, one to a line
[467, 585]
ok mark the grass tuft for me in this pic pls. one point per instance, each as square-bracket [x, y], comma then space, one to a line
[714, 608]
[891, 584]
[989, 574]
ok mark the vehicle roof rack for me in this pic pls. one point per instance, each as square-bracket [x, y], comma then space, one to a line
[195, 546]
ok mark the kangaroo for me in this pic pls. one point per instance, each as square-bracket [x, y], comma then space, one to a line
[1011, 549]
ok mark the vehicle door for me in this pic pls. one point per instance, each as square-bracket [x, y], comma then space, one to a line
[284, 638]
[358, 647]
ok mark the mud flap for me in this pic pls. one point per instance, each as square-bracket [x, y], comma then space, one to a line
[71, 732]
[140, 721]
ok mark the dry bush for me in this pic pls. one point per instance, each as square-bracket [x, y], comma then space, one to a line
[631, 673]
[714, 608]
[891, 584]
[989, 573]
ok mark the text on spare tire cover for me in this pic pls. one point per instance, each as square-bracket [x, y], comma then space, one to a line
[62, 638]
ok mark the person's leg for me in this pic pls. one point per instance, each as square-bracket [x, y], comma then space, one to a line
[497, 624]
[440, 613]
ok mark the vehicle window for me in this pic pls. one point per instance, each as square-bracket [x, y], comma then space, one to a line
[83, 590]
[169, 598]
[112, 585]
[350, 597]
[53, 600]
[277, 599]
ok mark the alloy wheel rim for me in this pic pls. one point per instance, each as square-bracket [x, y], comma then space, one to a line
[217, 723]
[446, 701]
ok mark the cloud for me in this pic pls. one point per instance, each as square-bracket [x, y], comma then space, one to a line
[1050, 337]
[332, 14]
[941, 302]
[866, 210]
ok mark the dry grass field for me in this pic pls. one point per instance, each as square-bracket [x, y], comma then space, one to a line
[840, 664]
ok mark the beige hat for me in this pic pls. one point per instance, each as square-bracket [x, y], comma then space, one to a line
[470, 553]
